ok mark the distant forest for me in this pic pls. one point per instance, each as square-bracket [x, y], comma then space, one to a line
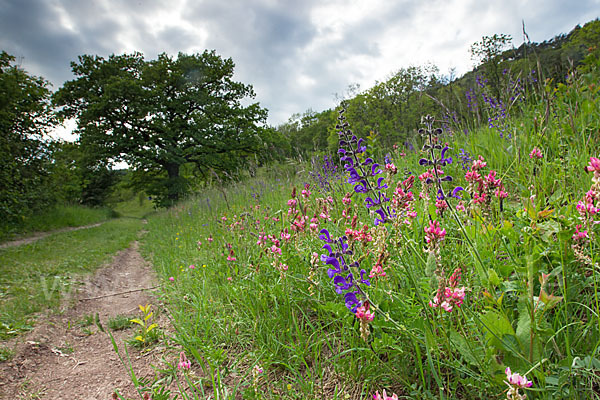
[389, 112]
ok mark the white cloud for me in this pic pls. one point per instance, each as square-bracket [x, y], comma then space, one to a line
[297, 55]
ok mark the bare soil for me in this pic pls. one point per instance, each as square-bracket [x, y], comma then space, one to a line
[60, 359]
[38, 235]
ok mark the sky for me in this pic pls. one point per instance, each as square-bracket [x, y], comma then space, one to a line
[297, 54]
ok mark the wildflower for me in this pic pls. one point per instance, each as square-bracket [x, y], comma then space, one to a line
[478, 164]
[346, 200]
[229, 278]
[391, 168]
[536, 153]
[223, 218]
[365, 316]
[275, 250]
[594, 166]
[184, 363]
[377, 396]
[434, 233]
[209, 239]
[256, 372]
[171, 279]
[306, 192]
[515, 382]
[192, 266]
[285, 235]
[449, 296]
[579, 235]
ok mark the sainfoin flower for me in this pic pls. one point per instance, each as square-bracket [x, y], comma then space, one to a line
[516, 379]
[378, 396]
[184, 363]
[536, 153]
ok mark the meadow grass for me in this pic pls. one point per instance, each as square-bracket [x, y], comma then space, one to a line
[37, 276]
[258, 313]
[60, 216]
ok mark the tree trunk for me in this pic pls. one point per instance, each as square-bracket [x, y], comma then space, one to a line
[173, 185]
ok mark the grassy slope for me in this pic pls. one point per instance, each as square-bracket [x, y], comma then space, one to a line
[232, 315]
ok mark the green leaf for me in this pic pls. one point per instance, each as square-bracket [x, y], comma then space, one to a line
[497, 326]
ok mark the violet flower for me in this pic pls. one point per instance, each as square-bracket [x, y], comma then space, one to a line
[359, 172]
[431, 145]
[344, 280]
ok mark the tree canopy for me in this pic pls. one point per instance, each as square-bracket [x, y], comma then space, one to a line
[161, 114]
[25, 117]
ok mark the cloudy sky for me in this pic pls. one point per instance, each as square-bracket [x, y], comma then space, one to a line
[298, 54]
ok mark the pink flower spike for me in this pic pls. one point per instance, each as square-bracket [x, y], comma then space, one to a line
[536, 153]
[184, 363]
[516, 380]
[594, 165]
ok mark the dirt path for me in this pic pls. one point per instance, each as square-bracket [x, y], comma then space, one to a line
[60, 360]
[38, 235]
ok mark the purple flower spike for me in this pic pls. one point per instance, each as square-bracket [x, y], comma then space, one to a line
[362, 187]
[352, 302]
[342, 284]
[359, 147]
[443, 160]
[325, 237]
[373, 170]
[424, 161]
[368, 161]
[379, 186]
[364, 280]
[331, 272]
[455, 192]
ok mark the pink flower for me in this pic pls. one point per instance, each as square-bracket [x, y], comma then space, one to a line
[223, 218]
[209, 239]
[536, 153]
[313, 226]
[346, 199]
[192, 266]
[594, 165]
[230, 258]
[377, 396]
[434, 232]
[292, 203]
[501, 194]
[285, 235]
[479, 164]
[229, 278]
[283, 267]
[517, 380]
[275, 250]
[364, 314]
[305, 192]
[579, 235]
[391, 168]
[184, 363]
[171, 279]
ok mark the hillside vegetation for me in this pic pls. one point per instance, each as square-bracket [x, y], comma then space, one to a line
[462, 264]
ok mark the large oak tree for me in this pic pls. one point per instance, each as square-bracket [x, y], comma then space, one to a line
[161, 114]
